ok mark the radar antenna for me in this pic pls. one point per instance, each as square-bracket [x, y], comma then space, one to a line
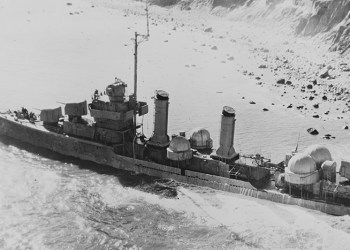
[296, 148]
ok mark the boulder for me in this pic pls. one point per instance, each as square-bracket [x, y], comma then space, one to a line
[325, 74]
[281, 81]
[312, 131]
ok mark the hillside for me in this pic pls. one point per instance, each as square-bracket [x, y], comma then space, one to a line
[327, 19]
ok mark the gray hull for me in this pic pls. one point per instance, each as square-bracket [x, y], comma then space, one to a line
[104, 155]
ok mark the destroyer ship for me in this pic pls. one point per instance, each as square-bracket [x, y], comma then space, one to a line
[106, 132]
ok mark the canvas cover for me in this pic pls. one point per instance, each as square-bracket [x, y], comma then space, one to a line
[76, 109]
[51, 115]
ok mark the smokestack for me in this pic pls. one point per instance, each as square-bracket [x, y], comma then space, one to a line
[161, 106]
[227, 132]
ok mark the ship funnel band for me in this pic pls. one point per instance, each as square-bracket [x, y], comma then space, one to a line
[228, 111]
[162, 95]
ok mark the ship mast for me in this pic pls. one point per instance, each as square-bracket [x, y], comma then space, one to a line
[135, 63]
[147, 16]
[135, 77]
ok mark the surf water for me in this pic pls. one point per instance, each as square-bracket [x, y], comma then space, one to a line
[48, 201]
[53, 202]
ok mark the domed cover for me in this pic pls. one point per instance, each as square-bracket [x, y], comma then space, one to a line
[201, 139]
[228, 111]
[162, 95]
[302, 164]
[319, 153]
[179, 144]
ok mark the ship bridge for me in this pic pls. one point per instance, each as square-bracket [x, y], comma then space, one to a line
[114, 117]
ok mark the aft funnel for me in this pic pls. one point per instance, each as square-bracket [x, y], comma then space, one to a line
[226, 149]
[160, 136]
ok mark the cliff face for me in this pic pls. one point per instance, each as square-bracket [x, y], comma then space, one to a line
[328, 18]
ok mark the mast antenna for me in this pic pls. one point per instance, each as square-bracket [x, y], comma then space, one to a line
[135, 77]
[147, 16]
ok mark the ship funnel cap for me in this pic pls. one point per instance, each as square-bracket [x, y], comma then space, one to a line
[162, 95]
[228, 111]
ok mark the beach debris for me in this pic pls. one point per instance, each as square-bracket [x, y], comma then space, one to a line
[324, 98]
[209, 29]
[328, 136]
[325, 74]
[281, 81]
[316, 106]
[316, 116]
[345, 127]
[265, 109]
[312, 131]
[251, 102]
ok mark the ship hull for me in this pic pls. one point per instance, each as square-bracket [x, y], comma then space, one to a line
[104, 155]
